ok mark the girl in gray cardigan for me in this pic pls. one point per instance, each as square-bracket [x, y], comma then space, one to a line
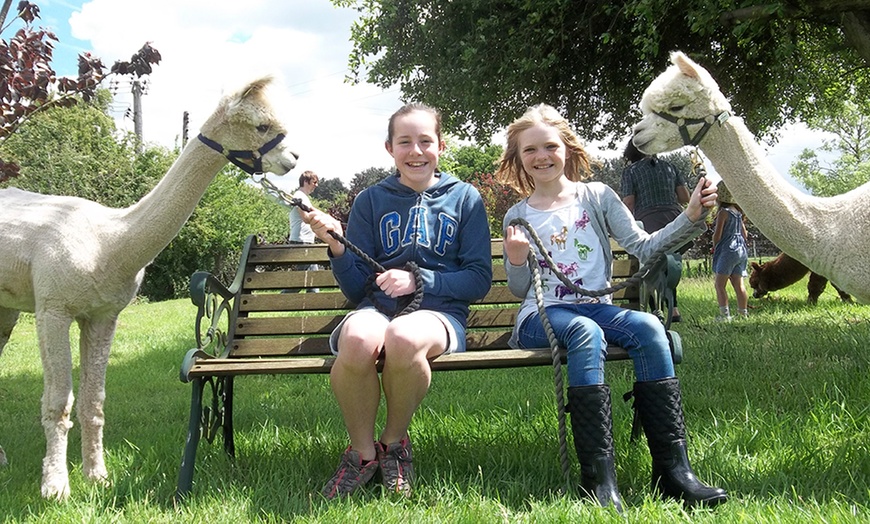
[545, 161]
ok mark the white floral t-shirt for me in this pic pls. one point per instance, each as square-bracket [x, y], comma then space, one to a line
[575, 249]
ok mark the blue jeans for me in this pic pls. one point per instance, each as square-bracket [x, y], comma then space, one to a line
[586, 329]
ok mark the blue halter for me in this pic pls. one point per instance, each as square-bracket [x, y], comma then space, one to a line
[684, 123]
[235, 156]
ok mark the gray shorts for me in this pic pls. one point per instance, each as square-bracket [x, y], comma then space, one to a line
[454, 330]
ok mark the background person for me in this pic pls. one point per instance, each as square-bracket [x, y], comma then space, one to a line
[300, 232]
[730, 255]
[655, 191]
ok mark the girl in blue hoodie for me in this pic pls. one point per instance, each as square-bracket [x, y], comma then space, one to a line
[418, 215]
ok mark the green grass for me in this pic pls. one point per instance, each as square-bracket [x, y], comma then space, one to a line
[776, 406]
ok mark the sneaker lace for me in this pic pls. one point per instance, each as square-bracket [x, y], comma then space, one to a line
[397, 466]
[348, 475]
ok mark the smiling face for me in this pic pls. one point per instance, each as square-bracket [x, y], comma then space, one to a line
[542, 153]
[415, 148]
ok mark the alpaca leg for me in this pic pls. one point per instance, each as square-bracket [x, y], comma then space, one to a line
[57, 400]
[845, 297]
[95, 342]
[815, 286]
[8, 318]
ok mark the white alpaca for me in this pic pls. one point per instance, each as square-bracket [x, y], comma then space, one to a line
[828, 235]
[68, 259]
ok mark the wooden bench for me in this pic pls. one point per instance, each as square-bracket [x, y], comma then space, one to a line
[252, 328]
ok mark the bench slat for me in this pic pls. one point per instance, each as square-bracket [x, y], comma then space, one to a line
[324, 324]
[293, 302]
[505, 358]
[265, 254]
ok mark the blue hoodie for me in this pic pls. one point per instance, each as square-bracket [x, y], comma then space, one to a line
[444, 230]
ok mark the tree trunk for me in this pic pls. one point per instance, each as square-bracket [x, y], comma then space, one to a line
[856, 27]
[6, 5]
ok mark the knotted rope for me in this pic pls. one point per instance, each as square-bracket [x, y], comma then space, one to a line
[405, 304]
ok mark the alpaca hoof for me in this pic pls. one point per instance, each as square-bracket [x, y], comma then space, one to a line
[3, 460]
[98, 476]
[57, 489]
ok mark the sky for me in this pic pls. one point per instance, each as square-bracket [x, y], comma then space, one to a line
[210, 47]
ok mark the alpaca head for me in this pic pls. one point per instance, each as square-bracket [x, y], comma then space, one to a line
[759, 289]
[246, 121]
[684, 91]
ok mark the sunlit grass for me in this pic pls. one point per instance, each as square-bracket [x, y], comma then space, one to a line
[776, 405]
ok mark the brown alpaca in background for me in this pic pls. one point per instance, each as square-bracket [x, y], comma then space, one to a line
[784, 271]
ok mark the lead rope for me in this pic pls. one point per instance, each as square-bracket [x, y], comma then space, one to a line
[406, 304]
[557, 368]
[534, 267]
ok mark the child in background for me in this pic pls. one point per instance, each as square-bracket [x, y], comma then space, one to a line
[730, 255]
[545, 161]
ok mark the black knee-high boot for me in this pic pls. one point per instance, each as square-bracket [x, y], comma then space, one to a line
[592, 426]
[660, 407]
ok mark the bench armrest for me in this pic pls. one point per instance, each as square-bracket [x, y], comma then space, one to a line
[215, 302]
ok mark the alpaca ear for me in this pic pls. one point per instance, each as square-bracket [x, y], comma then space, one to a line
[685, 65]
[755, 265]
[256, 85]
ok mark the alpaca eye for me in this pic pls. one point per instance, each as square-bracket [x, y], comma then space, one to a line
[676, 109]
[263, 128]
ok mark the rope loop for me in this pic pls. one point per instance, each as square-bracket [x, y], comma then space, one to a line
[635, 279]
[406, 304]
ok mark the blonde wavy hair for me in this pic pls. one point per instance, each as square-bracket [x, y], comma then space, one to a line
[510, 170]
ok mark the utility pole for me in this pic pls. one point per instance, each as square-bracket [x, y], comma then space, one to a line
[185, 120]
[137, 113]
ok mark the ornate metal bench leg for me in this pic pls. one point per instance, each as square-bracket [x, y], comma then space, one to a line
[229, 440]
[185, 474]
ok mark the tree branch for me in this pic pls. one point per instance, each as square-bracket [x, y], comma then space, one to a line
[765, 11]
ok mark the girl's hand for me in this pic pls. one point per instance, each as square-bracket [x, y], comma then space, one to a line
[396, 282]
[703, 196]
[516, 245]
[322, 223]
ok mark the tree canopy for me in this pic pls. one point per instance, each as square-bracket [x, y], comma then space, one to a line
[28, 84]
[851, 126]
[482, 63]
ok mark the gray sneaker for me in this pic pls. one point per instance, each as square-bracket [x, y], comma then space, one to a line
[350, 475]
[397, 466]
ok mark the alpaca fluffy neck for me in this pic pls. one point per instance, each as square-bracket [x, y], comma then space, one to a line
[785, 215]
[156, 219]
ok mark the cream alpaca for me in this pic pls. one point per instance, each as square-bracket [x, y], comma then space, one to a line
[68, 259]
[828, 235]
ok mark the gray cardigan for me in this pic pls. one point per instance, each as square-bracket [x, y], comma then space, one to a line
[608, 216]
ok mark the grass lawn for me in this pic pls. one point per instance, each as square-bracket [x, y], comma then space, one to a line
[776, 406]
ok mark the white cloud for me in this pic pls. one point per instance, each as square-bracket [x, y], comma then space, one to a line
[209, 47]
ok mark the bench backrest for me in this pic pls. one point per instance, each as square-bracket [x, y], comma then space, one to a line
[271, 323]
